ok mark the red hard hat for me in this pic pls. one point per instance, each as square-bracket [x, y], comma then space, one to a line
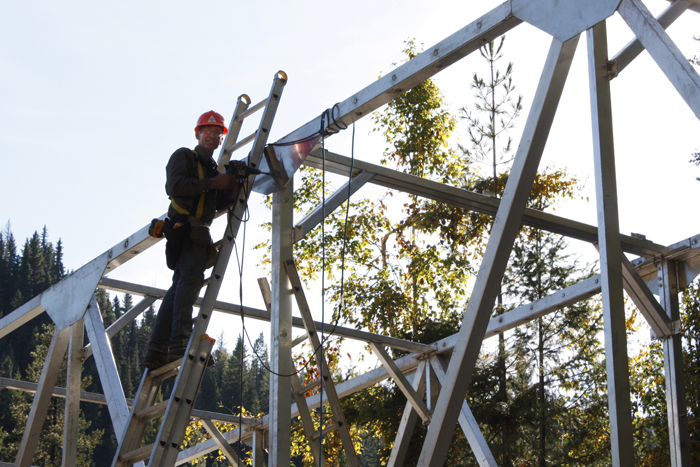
[211, 118]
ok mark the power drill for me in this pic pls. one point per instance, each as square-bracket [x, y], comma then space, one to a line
[244, 172]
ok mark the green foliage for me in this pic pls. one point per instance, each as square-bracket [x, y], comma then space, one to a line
[648, 384]
[690, 321]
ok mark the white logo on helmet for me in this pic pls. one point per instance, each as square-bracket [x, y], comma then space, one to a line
[211, 120]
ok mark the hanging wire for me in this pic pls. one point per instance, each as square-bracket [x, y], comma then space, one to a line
[320, 358]
[325, 130]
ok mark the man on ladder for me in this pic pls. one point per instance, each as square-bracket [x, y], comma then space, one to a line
[196, 190]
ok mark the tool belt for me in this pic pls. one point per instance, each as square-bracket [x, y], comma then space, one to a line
[176, 231]
[199, 235]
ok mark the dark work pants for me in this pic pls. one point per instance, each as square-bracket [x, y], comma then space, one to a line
[173, 325]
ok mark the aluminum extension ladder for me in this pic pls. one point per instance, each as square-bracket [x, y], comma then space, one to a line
[190, 369]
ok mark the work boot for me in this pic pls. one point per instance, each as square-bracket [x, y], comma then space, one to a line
[176, 353]
[154, 359]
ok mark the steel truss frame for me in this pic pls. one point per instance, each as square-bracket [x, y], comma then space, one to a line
[434, 377]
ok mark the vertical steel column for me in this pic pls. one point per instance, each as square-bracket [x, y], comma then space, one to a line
[610, 250]
[71, 416]
[679, 439]
[505, 228]
[281, 329]
[42, 397]
[258, 448]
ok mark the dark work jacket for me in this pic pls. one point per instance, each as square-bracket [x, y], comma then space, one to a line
[184, 186]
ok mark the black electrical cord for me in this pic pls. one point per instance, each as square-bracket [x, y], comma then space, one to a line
[341, 302]
[323, 283]
[327, 115]
[239, 260]
[330, 115]
[297, 141]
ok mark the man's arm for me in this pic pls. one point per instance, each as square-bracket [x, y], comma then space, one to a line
[183, 180]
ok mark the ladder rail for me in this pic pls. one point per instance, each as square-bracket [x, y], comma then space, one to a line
[234, 130]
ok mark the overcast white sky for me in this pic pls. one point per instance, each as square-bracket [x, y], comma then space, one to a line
[96, 96]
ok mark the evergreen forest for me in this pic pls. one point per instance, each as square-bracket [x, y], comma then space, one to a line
[238, 378]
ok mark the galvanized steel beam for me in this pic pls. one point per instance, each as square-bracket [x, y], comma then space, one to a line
[122, 322]
[415, 398]
[632, 50]
[664, 52]
[642, 297]
[619, 405]
[106, 367]
[315, 217]
[467, 422]
[281, 365]
[263, 315]
[226, 448]
[409, 417]
[435, 59]
[384, 176]
[71, 417]
[505, 229]
[678, 435]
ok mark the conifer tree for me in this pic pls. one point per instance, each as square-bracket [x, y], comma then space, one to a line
[4, 276]
[259, 378]
[49, 448]
[59, 271]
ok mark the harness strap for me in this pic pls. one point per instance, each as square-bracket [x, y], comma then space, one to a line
[200, 203]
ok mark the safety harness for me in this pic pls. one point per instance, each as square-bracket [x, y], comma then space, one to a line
[200, 203]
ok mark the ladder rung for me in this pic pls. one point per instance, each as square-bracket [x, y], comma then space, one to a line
[241, 143]
[251, 110]
[166, 371]
[309, 387]
[152, 412]
[137, 455]
[332, 427]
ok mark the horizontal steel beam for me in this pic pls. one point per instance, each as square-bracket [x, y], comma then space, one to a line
[95, 398]
[409, 363]
[263, 315]
[685, 253]
[384, 176]
[549, 304]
